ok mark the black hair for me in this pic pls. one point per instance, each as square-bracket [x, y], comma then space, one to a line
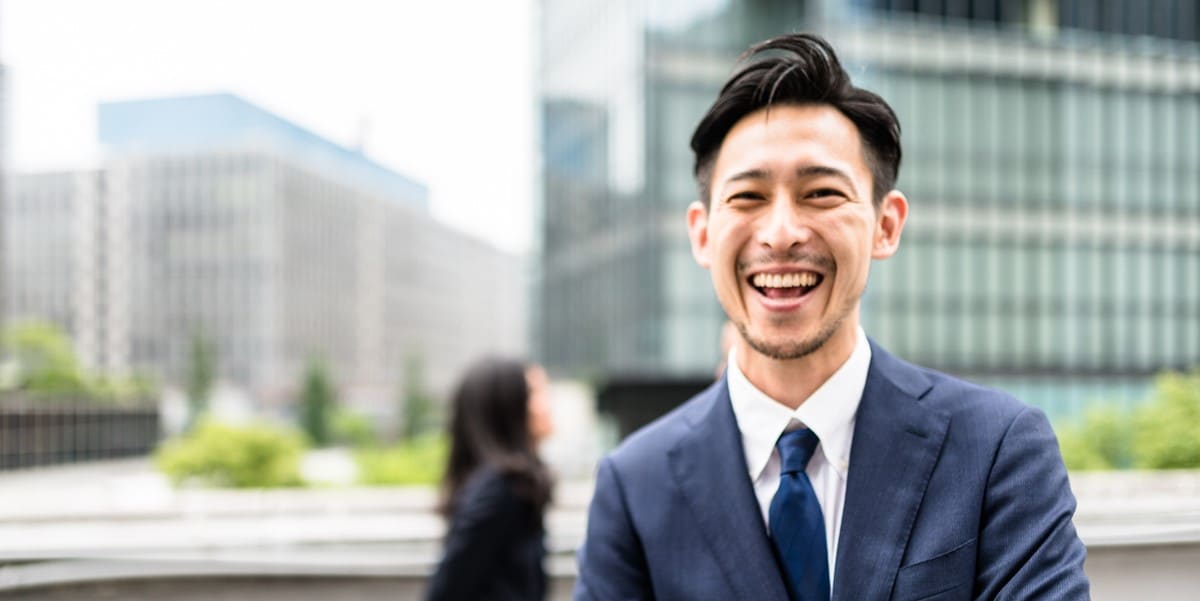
[490, 428]
[799, 69]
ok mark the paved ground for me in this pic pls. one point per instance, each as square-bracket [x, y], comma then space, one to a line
[83, 523]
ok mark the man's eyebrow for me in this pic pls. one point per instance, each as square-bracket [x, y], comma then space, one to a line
[803, 172]
[749, 174]
[824, 171]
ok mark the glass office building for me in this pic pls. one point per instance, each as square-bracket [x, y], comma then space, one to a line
[1052, 163]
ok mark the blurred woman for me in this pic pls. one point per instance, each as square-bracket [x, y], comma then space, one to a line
[496, 488]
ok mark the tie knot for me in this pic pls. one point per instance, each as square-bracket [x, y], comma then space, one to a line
[795, 449]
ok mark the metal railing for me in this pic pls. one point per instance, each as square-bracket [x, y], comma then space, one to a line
[35, 432]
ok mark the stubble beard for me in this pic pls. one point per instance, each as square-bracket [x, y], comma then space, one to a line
[801, 348]
[792, 350]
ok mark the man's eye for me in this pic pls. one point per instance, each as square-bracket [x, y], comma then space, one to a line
[825, 192]
[746, 196]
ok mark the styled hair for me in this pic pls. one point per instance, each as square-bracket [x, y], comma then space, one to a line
[490, 428]
[799, 69]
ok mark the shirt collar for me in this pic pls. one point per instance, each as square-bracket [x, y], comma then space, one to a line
[829, 411]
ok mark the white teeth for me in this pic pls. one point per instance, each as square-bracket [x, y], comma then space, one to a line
[789, 280]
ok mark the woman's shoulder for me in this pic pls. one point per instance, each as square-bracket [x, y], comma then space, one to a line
[487, 487]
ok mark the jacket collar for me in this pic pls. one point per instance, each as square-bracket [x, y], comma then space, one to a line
[709, 467]
[897, 441]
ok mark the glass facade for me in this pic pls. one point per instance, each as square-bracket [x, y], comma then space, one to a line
[1163, 19]
[1051, 163]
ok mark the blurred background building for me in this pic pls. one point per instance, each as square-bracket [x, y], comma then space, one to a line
[213, 219]
[3, 172]
[1051, 162]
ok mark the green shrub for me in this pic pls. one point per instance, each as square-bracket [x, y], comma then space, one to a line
[1168, 425]
[1078, 452]
[419, 461]
[1102, 441]
[216, 454]
[1161, 433]
[354, 429]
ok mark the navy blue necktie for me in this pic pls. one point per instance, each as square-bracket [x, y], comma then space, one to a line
[797, 527]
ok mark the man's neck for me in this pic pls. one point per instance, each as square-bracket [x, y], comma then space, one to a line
[792, 381]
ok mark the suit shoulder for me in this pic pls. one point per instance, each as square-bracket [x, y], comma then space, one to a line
[941, 391]
[962, 398]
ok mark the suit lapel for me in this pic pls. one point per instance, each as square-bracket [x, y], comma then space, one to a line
[896, 444]
[709, 467]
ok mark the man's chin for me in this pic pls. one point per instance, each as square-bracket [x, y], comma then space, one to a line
[786, 346]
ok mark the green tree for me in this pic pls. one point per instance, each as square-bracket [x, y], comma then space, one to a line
[1168, 424]
[42, 361]
[45, 358]
[200, 377]
[351, 428]
[317, 401]
[418, 412]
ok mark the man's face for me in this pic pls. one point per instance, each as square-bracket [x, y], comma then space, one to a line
[790, 229]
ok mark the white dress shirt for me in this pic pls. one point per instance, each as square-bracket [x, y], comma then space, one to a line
[829, 412]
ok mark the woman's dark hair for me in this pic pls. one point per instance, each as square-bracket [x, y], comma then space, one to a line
[490, 427]
[799, 69]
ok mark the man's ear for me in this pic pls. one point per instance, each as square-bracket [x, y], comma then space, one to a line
[697, 224]
[893, 211]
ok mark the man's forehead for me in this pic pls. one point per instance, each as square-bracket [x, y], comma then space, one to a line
[789, 140]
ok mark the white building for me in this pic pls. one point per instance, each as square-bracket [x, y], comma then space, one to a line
[212, 217]
[3, 174]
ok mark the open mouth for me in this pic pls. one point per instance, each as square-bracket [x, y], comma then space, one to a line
[786, 285]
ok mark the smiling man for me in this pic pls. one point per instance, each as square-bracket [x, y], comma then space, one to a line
[820, 467]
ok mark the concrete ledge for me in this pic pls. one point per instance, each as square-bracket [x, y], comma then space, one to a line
[186, 579]
[1165, 572]
[116, 531]
[1137, 508]
[262, 585]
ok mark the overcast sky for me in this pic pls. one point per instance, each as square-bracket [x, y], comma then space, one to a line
[439, 91]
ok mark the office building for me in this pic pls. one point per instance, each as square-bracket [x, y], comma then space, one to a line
[1050, 160]
[212, 217]
[3, 172]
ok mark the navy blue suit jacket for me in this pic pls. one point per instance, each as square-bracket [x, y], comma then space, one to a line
[954, 492]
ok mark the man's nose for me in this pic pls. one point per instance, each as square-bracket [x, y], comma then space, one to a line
[784, 226]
